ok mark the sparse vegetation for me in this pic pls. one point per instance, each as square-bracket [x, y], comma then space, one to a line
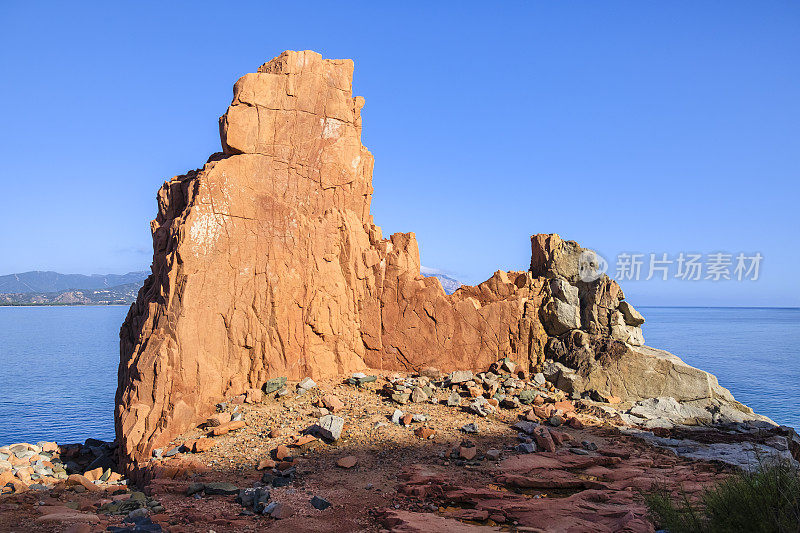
[765, 500]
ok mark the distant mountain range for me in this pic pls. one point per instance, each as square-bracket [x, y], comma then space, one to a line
[53, 288]
[40, 281]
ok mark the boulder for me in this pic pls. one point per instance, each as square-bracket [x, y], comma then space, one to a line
[560, 317]
[553, 257]
[330, 427]
[562, 290]
[418, 395]
[454, 400]
[274, 385]
[460, 376]
[220, 488]
[218, 419]
[254, 396]
[623, 332]
[256, 498]
[332, 403]
[306, 384]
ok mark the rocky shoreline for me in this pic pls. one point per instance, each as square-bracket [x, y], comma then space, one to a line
[277, 368]
[502, 449]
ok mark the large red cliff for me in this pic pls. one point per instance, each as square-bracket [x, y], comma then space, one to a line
[267, 263]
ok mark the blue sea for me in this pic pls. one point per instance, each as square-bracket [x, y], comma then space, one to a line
[754, 352]
[58, 365]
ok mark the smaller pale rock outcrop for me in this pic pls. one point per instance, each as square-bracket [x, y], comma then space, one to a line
[631, 315]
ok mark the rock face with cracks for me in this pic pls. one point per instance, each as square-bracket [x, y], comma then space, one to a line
[267, 264]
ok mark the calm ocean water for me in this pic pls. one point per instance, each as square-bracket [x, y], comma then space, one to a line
[58, 365]
[754, 352]
[58, 372]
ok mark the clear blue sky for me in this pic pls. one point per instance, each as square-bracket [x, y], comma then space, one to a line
[627, 126]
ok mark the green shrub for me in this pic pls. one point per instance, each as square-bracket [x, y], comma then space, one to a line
[765, 500]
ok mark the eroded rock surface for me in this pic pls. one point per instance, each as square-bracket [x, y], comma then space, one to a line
[267, 265]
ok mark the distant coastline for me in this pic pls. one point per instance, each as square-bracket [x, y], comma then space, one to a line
[119, 295]
[46, 289]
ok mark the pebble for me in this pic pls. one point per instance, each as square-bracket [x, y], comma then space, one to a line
[318, 412]
[306, 384]
[401, 397]
[418, 395]
[348, 461]
[425, 432]
[467, 452]
[454, 400]
[332, 403]
[493, 454]
[397, 416]
[320, 503]
[256, 498]
[470, 428]
[526, 447]
[280, 511]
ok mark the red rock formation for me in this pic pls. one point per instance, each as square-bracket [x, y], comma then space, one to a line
[267, 263]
